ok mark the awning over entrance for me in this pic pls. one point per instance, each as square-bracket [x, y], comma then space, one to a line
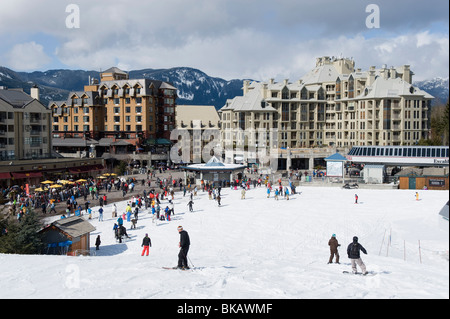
[85, 169]
[26, 175]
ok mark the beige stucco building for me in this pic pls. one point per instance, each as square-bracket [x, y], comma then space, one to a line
[332, 105]
[197, 127]
[24, 126]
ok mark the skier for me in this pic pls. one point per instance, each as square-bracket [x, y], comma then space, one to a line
[190, 205]
[417, 195]
[356, 198]
[218, 200]
[184, 248]
[146, 243]
[353, 254]
[333, 243]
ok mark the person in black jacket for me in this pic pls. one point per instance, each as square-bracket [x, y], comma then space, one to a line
[146, 243]
[184, 248]
[97, 242]
[353, 253]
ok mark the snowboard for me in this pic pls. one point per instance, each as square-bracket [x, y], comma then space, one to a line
[370, 273]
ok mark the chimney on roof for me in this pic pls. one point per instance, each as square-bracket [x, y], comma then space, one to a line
[34, 92]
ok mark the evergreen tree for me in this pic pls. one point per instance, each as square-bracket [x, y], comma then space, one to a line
[22, 237]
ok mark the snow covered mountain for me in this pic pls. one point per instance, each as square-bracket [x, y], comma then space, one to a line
[438, 87]
[194, 86]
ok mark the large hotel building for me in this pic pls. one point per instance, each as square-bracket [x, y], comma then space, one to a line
[332, 105]
[115, 115]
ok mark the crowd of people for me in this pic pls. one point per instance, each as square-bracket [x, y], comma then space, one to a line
[155, 195]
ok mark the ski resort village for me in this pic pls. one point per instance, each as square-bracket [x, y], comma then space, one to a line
[310, 189]
[304, 175]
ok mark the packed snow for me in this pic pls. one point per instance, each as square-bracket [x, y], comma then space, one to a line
[256, 248]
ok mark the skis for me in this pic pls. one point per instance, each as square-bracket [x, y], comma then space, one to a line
[370, 273]
[174, 268]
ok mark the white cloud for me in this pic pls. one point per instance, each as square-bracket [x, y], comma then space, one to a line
[27, 56]
[255, 39]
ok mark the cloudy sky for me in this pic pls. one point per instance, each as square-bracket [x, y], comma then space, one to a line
[257, 39]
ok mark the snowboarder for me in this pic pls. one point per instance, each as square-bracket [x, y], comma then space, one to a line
[146, 243]
[184, 248]
[333, 243]
[356, 198]
[417, 195]
[353, 254]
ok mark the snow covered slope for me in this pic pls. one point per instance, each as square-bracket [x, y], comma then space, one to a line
[257, 248]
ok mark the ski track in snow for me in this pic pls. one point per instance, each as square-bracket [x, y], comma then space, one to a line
[256, 248]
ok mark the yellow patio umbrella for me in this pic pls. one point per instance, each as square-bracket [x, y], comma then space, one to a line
[47, 182]
[81, 180]
[39, 190]
[55, 186]
[102, 177]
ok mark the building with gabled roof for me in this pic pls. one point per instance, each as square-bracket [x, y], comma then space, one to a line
[116, 108]
[334, 104]
[24, 126]
[67, 236]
